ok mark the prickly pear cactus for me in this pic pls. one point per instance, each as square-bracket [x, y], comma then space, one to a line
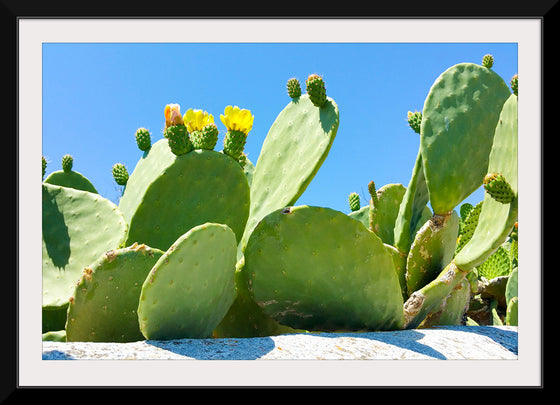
[294, 149]
[191, 287]
[321, 281]
[167, 195]
[78, 226]
[294, 88]
[354, 201]
[143, 139]
[239, 123]
[103, 306]
[70, 178]
[459, 117]
[120, 174]
[315, 87]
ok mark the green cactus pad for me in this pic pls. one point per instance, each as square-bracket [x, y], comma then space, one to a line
[44, 162]
[432, 250]
[354, 201]
[514, 84]
[316, 90]
[153, 163]
[488, 61]
[496, 265]
[67, 163]
[315, 268]
[103, 307]
[512, 312]
[234, 143]
[413, 210]
[296, 146]
[143, 139]
[198, 187]
[178, 139]
[414, 120]
[78, 227]
[459, 118]
[469, 225]
[294, 88]
[496, 220]
[120, 174]
[451, 310]
[511, 286]
[68, 177]
[191, 287]
[361, 215]
[205, 138]
[498, 188]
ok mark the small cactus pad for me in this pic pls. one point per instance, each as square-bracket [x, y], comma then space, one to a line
[198, 187]
[432, 250]
[414, 120]
[514, 84]
[70, 178]
[103, 307]
[294, 149]
[78, 227]
[143, 139]
[191, 287]
[488, 61]
[67, 163]
[322, 281]
[496, 265]
[459, 118]
[120, 174]
[496, 219]
[44, 165]
[354, 201]
[498, 188]
[413, 211]
[315, 87]
[178, 138]
[205, 138]
[294, 88]
[234, 143]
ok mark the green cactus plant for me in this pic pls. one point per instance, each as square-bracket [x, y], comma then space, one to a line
[68, 177]
[358, 287]
[104, 304]
[78, 226]
[294, 88]
[143, 139]
[120, 174]
[315, 87]
[191, 287]
[354, 201]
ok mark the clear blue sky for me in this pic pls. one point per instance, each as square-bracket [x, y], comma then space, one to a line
[95, 96]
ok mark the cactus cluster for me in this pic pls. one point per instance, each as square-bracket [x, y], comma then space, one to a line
[206, 243]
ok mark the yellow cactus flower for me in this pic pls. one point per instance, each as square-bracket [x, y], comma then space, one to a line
[195, 120]
[236, 119]
[172, 114]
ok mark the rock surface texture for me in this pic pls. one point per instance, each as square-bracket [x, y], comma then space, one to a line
[441, 343]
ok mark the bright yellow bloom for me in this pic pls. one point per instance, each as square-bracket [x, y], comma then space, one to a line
[236, 119]
[172, 114]
[195, 120]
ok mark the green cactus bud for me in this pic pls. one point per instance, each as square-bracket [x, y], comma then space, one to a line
[316, 90]
[205, 138]
[514, 83]
[178, 139]
[294, 88]
[414, 120]
[120, 174]
[354, 201]
[234, 143]
[143, 139]
[373, 192]
[499, 189]
[67, 163]
[488, 61]
[44, 166]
